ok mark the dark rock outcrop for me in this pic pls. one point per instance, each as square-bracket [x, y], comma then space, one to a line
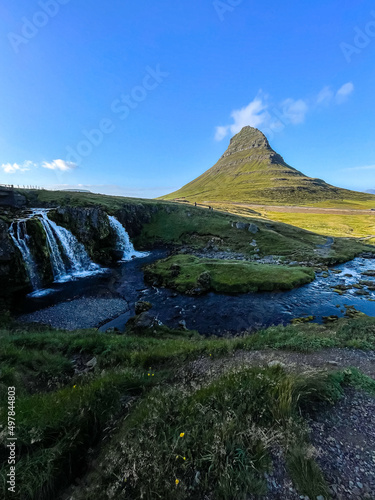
[92, 228]
[13, 275]
[11, 198]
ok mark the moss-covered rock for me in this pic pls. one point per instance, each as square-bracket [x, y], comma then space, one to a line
[39, 249]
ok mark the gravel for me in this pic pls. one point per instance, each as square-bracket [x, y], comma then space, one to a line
[78, 313]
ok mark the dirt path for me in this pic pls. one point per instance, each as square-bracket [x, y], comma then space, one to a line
[327, 359]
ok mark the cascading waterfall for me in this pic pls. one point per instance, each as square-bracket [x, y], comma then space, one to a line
[68, 256]
[18, 233]
[123, 241]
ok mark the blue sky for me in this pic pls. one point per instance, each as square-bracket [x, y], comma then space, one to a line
[138, 98]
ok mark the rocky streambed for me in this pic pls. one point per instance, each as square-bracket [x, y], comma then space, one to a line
[107, 301]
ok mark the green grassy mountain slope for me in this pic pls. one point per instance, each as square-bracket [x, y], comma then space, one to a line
[250, 171]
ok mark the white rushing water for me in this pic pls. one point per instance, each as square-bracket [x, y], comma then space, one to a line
[123, 241]
[18, 233]
[69, 258]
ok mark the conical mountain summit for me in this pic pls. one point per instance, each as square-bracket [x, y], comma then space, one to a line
[250, 171]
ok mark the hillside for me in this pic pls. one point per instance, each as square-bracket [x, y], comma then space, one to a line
[251, 171]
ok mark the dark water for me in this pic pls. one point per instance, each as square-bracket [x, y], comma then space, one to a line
[94, 301]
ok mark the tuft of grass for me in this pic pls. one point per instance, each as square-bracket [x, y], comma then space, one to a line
[215, 440]
[54, 430]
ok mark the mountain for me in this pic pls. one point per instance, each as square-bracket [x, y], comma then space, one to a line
[250, 171]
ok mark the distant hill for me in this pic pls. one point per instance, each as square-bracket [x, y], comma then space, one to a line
[250, 171]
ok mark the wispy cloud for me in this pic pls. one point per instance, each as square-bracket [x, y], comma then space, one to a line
[344, 92]
[261, 112]
[15, 168]
[63, 166]
[352, 169]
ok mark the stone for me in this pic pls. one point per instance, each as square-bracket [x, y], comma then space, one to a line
[241, 225]
[253, 228]
[182, 324]
[144, 320]
[204, 280]
[306, 319]
[142, 306]
[276, 362]
[330, 319]
[92, 363]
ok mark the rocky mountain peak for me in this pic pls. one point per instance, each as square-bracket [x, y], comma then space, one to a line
[247, 139]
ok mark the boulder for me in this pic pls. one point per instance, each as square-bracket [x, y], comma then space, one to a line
[142, 306]
[253, 228]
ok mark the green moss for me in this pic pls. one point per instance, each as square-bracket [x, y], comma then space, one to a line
[189, 274]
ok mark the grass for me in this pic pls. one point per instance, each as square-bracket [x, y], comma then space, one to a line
[198, 228]
[216, 441]
[189, 274]
[177, 224]
[229, 435]
[346, 226]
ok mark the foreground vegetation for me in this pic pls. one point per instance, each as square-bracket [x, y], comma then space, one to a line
[192, 275]
[73, 388]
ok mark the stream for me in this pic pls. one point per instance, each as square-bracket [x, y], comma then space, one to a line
[107, 301]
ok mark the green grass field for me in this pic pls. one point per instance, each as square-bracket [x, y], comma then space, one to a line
[155, 428]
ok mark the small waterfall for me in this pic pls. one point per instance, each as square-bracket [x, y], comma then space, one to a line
[123, 241]
[68, 256]
[18, 233]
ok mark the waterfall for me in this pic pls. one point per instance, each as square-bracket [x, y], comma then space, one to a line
[68, 256]
[18, 233]
[124, 244]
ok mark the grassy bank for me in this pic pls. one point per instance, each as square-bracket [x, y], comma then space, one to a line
[179, 224]
[192, 275]
[64, 412]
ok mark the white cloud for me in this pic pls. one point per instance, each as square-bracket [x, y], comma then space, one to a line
[264, 114]
[13, 168]
[254, 114]
[366, 167]
[344, 92]
[63, 166]
[295, 111]
[221, 132]
[325, 96]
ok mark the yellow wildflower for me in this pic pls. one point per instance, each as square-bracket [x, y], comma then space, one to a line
[177, 481]
[182, 434]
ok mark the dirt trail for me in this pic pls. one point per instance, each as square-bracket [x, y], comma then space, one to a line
[327, 359]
